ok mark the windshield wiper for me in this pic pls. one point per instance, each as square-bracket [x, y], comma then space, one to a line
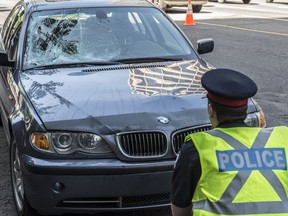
[103, 63]
[149, 59]
[77, 64]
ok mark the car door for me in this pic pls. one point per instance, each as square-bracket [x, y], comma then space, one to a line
[10, 41]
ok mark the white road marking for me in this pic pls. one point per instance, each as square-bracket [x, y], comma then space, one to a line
[245, 29]
[214, 10]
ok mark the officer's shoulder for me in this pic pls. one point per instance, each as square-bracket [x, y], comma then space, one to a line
[281, 127]
[189, 138]
[187, 147]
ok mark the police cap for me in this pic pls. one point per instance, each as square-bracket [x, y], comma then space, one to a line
[228, 87]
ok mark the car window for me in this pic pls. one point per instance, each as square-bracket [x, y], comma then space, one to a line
[8, 25]
[101, 34]
[136, 22]
[11, 31]
[15, 34]
[170, 37]
[1, 42]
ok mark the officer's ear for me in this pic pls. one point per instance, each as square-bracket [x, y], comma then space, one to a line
[211, 111]
[212, 115]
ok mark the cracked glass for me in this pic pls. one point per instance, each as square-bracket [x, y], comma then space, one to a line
[89, 35]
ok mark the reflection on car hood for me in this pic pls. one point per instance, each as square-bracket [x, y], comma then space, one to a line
[120, 92]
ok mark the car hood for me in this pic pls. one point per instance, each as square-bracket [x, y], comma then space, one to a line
[112, 97]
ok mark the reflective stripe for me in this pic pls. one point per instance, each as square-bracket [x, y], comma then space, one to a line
[259, 142]
[278, 187]
[224, 205]
[262, 138]
[227, 138]
[250, 208]
[234, 187]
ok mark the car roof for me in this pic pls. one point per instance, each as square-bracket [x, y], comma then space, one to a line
[65, 4]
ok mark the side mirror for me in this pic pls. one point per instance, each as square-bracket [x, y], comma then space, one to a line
[205, 45]
[4, 60]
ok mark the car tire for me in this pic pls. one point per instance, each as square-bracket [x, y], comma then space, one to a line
[269, 1]
[23, 208]
[196, 8]
[246, 1]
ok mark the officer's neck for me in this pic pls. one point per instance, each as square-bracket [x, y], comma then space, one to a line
[234, 123]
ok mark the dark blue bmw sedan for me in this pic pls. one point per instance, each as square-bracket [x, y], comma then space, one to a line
[96, 98]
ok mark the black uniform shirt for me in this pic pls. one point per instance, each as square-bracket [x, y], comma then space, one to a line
[187, 171]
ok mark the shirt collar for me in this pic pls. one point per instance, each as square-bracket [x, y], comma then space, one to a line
[239, 123]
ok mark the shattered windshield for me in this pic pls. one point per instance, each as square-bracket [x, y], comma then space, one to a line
[60, 37]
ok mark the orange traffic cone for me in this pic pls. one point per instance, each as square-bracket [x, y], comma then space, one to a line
[189, 21]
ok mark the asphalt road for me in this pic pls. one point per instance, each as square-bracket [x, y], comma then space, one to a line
[249, 38]
[256, 46]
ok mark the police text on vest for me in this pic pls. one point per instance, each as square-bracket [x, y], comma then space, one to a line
[252, 159]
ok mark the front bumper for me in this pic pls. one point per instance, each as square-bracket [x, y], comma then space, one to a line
[87, 186]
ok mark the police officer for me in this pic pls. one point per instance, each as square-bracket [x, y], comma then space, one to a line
[232, 169]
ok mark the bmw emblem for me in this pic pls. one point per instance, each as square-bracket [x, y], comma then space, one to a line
[163, 120]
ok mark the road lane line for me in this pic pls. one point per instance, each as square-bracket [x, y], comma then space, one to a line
[251, 7]
[245, 29]
[285, 20]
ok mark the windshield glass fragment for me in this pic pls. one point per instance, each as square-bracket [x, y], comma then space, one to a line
[101, 35]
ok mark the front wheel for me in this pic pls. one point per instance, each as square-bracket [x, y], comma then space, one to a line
[269, 1]
[22, 206]
[246, 1]
[196, 8]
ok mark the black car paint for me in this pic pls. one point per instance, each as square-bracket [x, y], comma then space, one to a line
[106, 104]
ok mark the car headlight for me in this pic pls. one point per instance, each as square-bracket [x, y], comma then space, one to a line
[40, 141]
[256, 119]
[67, 143]
[62, 141]
[89, 141]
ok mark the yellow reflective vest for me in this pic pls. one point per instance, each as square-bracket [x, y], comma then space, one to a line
[244, 171]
